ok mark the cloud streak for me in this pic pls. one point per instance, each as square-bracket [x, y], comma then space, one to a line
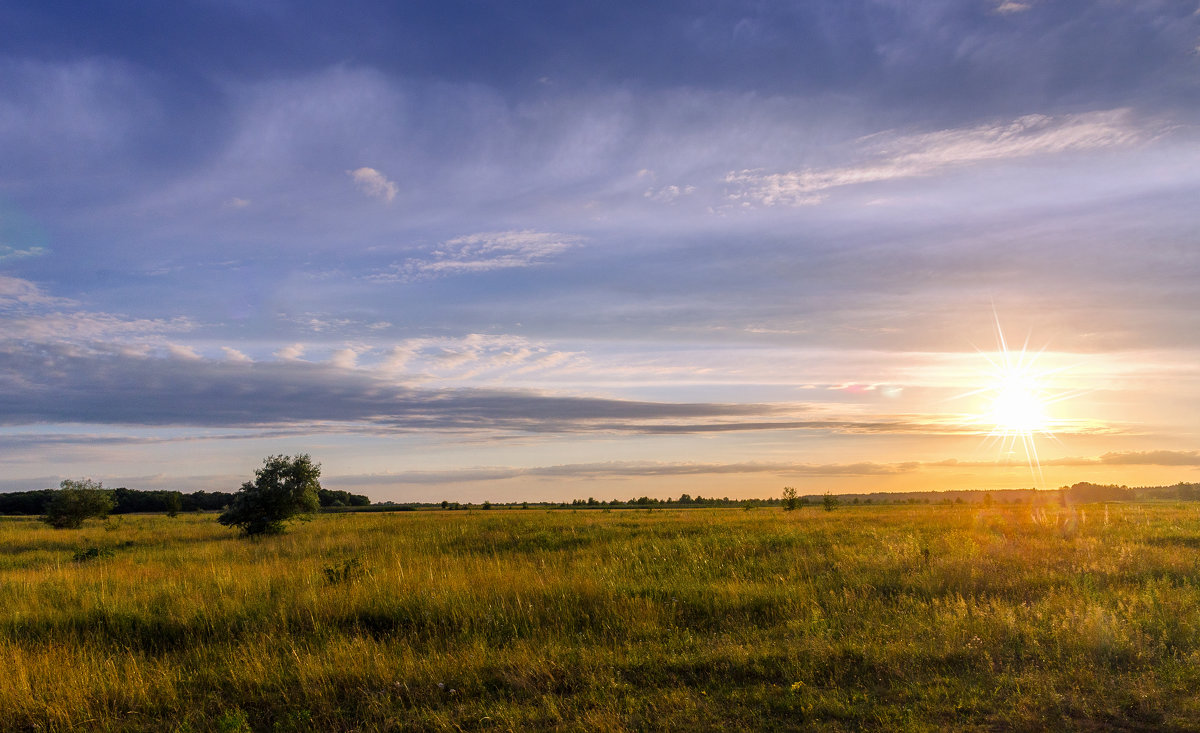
[473, 355]
[56, 383]
[1136, 458]
[26, 316]
[890, 158]
[624, 470]
[483, 252]
[18, 293]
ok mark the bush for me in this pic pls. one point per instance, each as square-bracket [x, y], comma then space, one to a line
[283, 488]
[344, 571]
[92, 553]
[76, 501]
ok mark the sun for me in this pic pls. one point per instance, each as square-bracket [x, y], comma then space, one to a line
[1017, 396]
[1018, 407]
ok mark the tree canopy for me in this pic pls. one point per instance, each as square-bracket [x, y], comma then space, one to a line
[76, 501]
[283, 488]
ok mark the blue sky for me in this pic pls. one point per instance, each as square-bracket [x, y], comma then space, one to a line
[550, 250]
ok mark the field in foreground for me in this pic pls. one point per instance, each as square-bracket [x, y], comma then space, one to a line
[923, 617]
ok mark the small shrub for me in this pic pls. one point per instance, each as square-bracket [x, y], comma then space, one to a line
[295, 720]
[233, 721]
[92, 553]
[344, 571]
[829, 501]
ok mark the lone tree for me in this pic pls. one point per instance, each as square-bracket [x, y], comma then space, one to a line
[829, 501]
[75, 501]
[282, 488]
[791, 500]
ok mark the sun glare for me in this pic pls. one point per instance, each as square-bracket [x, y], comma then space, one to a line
[1017, 408]
[1017, 398]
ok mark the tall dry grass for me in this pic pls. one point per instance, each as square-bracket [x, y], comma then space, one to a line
[861, 618]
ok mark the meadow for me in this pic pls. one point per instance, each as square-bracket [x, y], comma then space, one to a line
[1008, 617]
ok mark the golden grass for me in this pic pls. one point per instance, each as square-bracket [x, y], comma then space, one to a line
[879, 618]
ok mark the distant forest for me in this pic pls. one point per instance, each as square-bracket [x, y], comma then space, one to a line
[130, 501]
[1080, 493]
[133, 501]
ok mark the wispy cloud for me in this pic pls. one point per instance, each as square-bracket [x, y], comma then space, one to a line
[16, 292]
[1137, 458]
[1010, 6]
[887, 157]
[373, 183]
[482, 252]
[668, 194]
[84, 327]
[475, 354]
[12, 253]
[31, 316]
[324, 323]
[1164, 458]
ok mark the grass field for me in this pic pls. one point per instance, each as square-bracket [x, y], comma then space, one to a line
[884, 618]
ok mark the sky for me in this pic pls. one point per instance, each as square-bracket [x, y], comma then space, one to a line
[548, 250]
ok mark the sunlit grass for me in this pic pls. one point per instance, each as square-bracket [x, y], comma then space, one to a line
[866, 617]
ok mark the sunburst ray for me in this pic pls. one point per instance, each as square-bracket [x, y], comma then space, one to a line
[1018, 395]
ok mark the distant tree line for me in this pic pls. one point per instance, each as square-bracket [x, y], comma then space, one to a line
[790, 499]
[135, 501]
[1085, 492]
[329, 497]
[1177, 492]
[128, 501]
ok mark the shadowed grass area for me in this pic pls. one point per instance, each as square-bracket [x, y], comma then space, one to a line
[880, 618]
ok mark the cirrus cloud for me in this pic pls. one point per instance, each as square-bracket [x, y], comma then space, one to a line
[481, 252]
[891, 158]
